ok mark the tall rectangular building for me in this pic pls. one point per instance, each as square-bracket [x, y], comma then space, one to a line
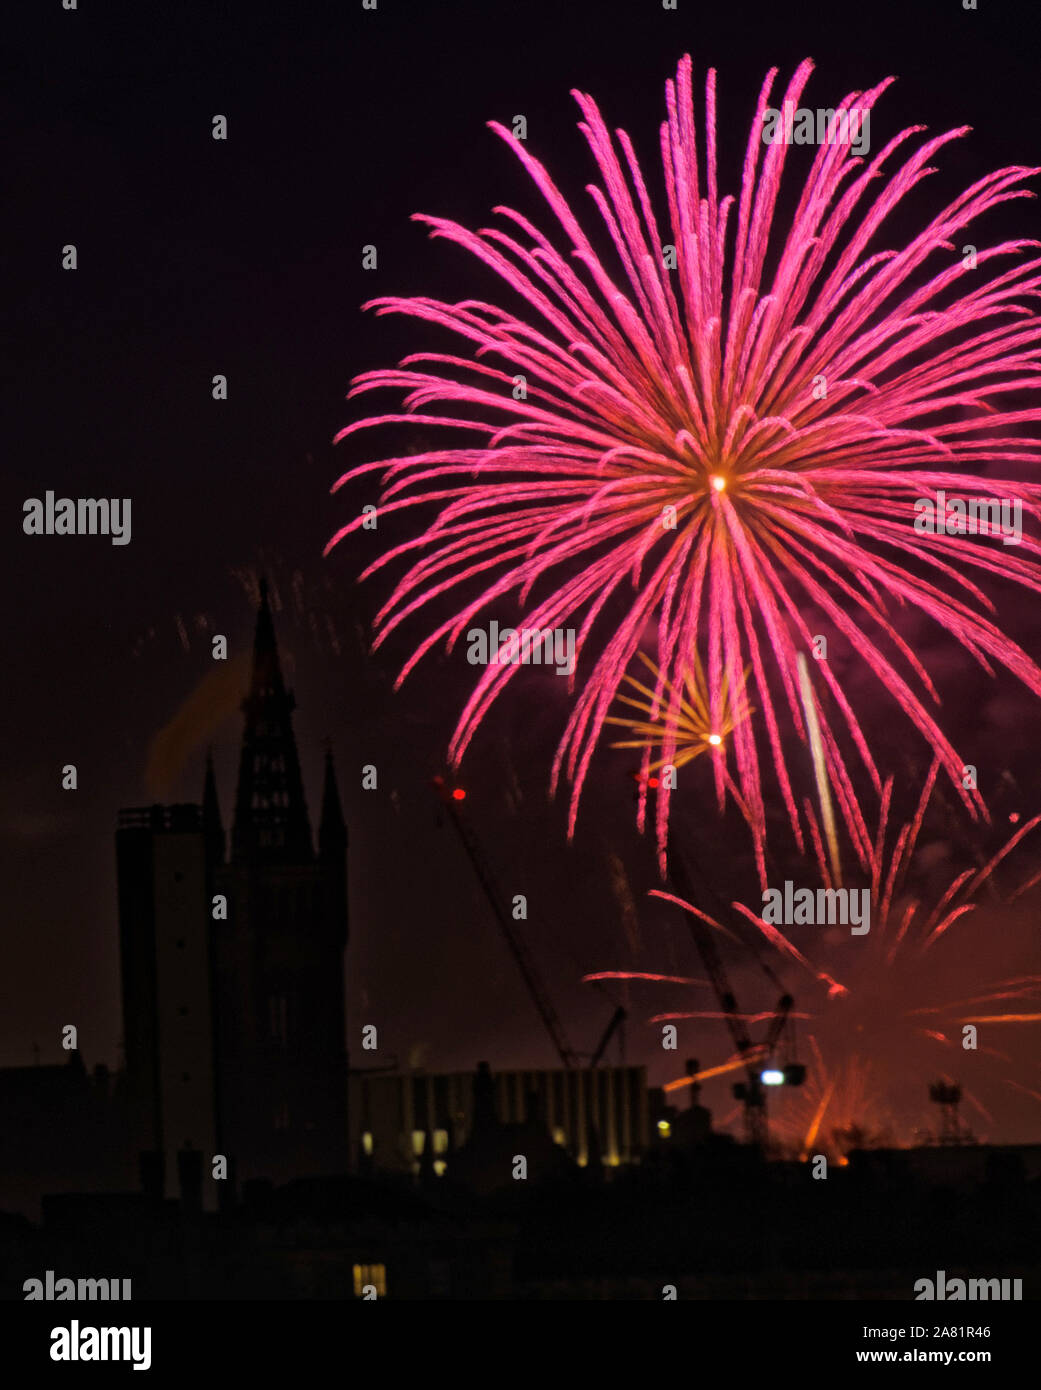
[167, 1002]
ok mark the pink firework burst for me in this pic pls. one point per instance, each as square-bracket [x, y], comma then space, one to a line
[656, 454]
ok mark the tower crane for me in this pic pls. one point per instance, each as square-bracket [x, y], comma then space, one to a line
[751, 1092]
[452, 800]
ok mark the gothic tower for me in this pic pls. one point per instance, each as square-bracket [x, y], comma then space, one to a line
[278, 957]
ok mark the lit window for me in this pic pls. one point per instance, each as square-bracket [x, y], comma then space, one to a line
[376, 1275]
[440, 1167]
[559, 1137]
[664, 1129]
[440, 1141]
[417, 1141]
[366, 1142]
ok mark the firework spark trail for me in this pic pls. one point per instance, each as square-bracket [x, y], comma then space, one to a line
[623, 894]
[1026, 1090]
[765, 1017]
[773, 936]
[818, 1116]
[642, 975]
[820, 773]
[734, 1063]
[691, 390]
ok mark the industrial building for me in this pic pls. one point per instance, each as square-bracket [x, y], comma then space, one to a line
[594, 1114]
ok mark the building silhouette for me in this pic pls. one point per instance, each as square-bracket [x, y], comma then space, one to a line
[168, 1011]
[62, 1129]
[233, 967]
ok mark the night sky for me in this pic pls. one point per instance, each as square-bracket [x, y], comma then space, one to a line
[243, 257]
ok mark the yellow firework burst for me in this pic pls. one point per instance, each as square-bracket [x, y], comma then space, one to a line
[697, 731]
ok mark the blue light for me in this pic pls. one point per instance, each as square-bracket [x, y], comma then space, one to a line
[772, 1077]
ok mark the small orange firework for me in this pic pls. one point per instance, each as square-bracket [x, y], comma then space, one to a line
[840, 1108]
[697, 729]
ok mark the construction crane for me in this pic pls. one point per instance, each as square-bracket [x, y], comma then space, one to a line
[617, 1024]
[751, 1092]
[452, 802]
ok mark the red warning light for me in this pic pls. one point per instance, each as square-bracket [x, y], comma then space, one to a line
[1014, 817]
[459, 794]
[644, 781]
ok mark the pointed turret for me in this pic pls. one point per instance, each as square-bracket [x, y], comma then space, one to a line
[270, 811]
[332, 832]
[211, 821]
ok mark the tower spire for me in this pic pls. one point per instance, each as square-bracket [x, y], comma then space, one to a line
[332, 832]
[270, 811]
[211, 820]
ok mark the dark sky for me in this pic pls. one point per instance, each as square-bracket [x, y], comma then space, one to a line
[244, 258]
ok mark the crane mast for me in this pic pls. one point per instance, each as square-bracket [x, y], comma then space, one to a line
[514, 940]
[751, 1091]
